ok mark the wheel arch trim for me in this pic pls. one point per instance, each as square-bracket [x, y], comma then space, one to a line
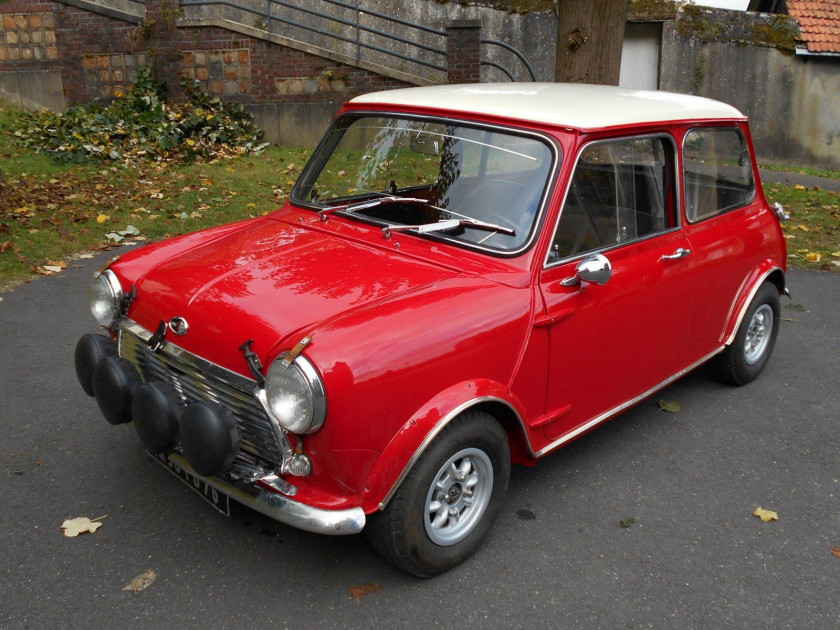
[440, 426]
[773, 273]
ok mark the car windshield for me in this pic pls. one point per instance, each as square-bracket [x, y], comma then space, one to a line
[430, 172]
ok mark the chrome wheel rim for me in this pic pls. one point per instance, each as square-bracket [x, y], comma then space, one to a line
[458, 497]
[758, 334]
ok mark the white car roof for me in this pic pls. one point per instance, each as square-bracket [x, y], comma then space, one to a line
[573, 105]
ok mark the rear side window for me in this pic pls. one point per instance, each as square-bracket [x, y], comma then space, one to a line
[621, 190]
[718, 172]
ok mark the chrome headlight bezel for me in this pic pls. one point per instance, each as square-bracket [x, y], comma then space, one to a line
[283, 379]
[105, 290]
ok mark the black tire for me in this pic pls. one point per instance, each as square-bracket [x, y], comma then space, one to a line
[400, 533]
[744, 359]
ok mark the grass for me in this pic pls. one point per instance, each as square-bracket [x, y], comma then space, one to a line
[801, 170]
[52, 212]
[813, 232]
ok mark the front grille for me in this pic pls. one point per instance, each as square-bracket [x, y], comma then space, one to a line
[197, 379]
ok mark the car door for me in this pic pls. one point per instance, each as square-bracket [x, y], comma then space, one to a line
[610, 343]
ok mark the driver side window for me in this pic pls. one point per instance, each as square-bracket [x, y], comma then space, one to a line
[621, 190]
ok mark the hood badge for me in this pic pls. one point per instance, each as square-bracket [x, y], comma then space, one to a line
[179, 326]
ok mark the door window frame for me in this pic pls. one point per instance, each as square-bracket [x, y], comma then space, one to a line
[743, 137]
[677, 188]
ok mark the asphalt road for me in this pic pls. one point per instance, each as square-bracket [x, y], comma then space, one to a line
[695, 557]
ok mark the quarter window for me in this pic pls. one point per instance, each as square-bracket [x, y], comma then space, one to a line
[718, 172]
[621, 190]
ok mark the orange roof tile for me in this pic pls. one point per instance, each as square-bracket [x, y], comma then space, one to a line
[819, 21]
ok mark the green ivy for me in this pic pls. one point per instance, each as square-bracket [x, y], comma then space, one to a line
[141, 125]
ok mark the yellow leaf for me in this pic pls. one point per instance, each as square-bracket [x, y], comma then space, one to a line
[671, 406]
[765, 515]
[251, 205]
[813, 257]
[144, 580]
[75, 526]
[190, 142]
[835, 254]
[799, 187]
[207, 182]
[102, 218]
[804, 228]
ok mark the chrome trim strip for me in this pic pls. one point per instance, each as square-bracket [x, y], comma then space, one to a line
[437, 429]
[550, 183]
[617, 410]
[677, 186]
[747, 302]
[282, 508]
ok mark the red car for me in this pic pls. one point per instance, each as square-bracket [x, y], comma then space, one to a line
[464, 277]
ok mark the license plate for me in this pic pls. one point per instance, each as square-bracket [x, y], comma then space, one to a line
[215, 498]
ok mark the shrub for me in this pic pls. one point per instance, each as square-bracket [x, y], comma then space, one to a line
[141, 125]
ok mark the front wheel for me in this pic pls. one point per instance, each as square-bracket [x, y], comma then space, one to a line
[746, 356]
[447, 503]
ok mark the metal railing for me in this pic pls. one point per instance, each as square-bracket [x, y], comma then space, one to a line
[265, 17]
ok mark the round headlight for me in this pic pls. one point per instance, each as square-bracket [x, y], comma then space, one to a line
[105, 299]
[295, 395]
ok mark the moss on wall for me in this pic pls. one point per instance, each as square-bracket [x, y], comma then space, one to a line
[780, 31]
[653, 10]
[511, 6]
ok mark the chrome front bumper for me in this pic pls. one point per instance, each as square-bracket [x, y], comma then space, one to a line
[281, 508]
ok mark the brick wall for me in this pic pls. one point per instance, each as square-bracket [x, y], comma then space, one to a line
[97, 57]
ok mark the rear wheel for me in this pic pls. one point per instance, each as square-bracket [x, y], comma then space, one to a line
[447, 503]
[745, 358]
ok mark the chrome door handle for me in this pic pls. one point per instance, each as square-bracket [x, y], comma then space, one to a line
[680, 253]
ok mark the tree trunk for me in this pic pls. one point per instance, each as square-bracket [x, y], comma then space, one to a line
[590, 34]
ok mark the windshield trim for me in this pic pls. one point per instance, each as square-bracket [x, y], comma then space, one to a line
[553, 145]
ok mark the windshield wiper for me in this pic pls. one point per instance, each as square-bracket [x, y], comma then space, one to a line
[370, 203]
[447, 224]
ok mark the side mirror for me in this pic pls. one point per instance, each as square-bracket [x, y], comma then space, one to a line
[595, 269]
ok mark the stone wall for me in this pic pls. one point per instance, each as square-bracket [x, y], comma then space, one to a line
[748, 60]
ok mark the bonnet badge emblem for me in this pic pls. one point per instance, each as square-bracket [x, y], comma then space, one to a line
[179, 326]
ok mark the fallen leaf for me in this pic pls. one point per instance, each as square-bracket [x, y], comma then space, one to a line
[357, 592]
[803, 227]
[794, 307]
[113, 236]
[74, 526]
[5, 246]
[85, 256]
[836, 551]
[142, 581]
[813, 257]
[48, 270]
[57, 263]
[671, 406]
[765, 515]
[627, 522]
[102, 218]
[799, 187]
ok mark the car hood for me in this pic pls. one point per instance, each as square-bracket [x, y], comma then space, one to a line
[266, 281]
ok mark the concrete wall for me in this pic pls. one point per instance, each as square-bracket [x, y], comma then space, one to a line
[793, 101]
[531, 33]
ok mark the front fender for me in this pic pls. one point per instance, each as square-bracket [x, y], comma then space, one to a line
[414, 437]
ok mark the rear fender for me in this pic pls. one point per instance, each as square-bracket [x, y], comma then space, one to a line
[767, 270]
[415, 436]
